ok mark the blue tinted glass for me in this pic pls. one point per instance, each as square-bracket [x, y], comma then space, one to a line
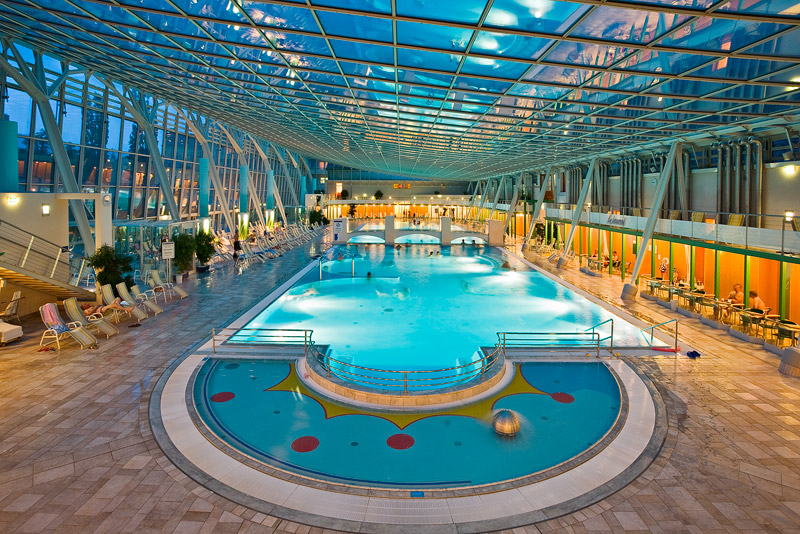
[741, 69]
[281, 16]
[559, 75]
[787, 8]
[668, 62]
[586, 53]
[432, 36]
[427, 78]
[479, 84]
[493, 67]
[344, 25]
[423, 91]
[786, 45]
[468, 11]
[722, 34]
[541, 16]
[376, 6]
[537, 91]
[518, 46]
[427, 60]
[617, 24]
[359, 69]
[364, 52]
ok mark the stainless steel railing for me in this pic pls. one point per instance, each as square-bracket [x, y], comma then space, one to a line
[37, 255]
[652, 328]
[261, 336]
[408, 380]
[550, 340]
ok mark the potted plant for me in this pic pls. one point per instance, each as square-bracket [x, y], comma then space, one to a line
[203, 249]
[184, 254]
[345, 194]
[351, 210]
[378, 194]
[316, 217]
[111, 267]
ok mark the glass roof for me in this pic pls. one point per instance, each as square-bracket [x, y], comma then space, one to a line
[454, 89]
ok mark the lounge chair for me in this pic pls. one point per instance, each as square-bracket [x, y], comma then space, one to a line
[122, 289]
[95, 321]
[147, 294]
[698, 216]
[58, 330]
[735, 219]
[172, 288]
[131, 311]
[12, 308]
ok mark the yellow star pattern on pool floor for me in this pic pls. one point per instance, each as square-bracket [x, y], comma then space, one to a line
[481, 409]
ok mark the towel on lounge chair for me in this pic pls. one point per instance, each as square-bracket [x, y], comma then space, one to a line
[57, 330]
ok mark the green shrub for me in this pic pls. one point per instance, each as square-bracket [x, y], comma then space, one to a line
[378, 194]
[184, 252]
[203, 247]
[111, 266]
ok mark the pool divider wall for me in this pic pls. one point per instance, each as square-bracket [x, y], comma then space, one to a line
[313, 372]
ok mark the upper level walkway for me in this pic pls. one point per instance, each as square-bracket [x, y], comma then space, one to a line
[766, 233]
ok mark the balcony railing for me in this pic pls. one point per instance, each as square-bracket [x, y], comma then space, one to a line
[777, 236]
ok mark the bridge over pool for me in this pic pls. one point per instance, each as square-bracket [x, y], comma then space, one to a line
[436, 231]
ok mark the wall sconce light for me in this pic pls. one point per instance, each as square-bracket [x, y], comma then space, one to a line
[789, 215]
[789, 170]
[45, 210]
[12, 200]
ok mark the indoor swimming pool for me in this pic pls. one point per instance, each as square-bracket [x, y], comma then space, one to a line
[262, 410]
[427, 307]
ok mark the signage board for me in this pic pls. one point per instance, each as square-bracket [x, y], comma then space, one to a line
[168, 250]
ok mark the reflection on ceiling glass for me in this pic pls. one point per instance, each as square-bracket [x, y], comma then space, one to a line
[454, 89]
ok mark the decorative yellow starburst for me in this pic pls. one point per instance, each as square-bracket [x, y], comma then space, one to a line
[481, 409]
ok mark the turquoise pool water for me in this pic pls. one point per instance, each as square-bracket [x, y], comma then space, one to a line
[429, 307]
[262, 410]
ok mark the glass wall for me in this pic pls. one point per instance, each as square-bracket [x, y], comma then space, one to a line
[108, 151]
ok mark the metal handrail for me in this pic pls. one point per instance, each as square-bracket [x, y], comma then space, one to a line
[420, 378]
[545, 339]
[264, 336]
[652, 328]
[611, 337]
[40, 256]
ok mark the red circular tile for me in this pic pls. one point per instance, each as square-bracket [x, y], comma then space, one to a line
[225, 396]
[400, 441]
[305, 444]
[564, 398]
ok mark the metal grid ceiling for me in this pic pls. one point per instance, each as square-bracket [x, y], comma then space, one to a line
[442, 88]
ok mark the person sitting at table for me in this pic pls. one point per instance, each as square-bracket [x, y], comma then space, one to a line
[594, 254]
[614, 259]
[756, 303]
[737, 295]
[734, 297]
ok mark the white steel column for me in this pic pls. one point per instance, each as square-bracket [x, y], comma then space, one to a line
[500, 186]
[136, 103]
[237, 143]
[576, 215]
[276, 196]
[221, 193]
[538, 206]
[675, 151]
[513, 206]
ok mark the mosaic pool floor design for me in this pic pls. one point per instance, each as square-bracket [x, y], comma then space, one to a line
[263, 410]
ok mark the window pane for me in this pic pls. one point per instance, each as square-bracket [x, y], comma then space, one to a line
[18, 108]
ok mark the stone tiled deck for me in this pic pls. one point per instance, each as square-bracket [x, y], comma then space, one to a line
[77, 453]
